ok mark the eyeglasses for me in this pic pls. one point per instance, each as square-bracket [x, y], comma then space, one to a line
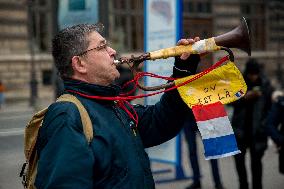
[102, 46]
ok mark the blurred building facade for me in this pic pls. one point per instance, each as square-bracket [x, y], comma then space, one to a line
[26, 31]
[25, 61]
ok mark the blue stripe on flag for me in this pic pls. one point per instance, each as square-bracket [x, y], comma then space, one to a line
[220, 146]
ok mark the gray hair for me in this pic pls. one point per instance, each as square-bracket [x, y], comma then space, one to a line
[70, 42]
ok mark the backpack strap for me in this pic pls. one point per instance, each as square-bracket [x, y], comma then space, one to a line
[85, 118]
[31, 132]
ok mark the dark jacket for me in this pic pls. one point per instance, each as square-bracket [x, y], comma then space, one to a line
[249, 115]
[116, 157]
[275, 128]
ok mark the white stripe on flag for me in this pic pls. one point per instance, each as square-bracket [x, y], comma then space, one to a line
[216, 127]
[223, 155]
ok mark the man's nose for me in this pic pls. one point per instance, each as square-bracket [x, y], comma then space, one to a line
[111, 51]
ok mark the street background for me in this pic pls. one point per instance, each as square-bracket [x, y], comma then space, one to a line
[29, 77]
[13, 118]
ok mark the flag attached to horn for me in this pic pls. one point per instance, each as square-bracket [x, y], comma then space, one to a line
[206, 96]
[216, 131]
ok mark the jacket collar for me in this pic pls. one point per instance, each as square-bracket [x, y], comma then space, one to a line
[91, 89]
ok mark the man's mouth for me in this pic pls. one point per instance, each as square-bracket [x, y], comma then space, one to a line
[116, 62]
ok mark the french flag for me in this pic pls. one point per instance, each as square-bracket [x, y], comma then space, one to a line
[239, 94]
[216, 131]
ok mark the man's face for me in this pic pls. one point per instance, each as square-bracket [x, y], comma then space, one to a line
[99, 62]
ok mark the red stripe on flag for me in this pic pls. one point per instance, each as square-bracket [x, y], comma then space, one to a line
[210, 111]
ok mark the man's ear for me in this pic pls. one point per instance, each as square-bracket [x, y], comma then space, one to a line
[79, 65]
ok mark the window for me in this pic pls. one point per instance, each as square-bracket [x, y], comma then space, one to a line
[204, 7]
[200, 7]
[208, 7]
[256, 22]
[75, 5]
[47, 77]
[119, 4]
[41, 25]
[190, 7]
[128, 25]
[245, 9]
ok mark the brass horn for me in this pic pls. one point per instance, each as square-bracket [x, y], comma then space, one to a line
[237, 38]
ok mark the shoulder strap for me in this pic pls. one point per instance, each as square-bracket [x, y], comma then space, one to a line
[31, 132]
[85, 118]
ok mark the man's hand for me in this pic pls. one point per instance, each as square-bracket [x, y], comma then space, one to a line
[184, 56]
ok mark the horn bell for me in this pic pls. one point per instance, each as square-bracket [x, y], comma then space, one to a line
[238, 38]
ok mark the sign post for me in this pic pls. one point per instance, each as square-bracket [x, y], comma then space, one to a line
[163, 29]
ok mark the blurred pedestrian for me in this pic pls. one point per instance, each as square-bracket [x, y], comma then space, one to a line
[190, 131]
[2, 97]
[248, 123]
[275, 127]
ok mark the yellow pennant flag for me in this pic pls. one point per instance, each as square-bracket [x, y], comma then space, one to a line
[225, 84]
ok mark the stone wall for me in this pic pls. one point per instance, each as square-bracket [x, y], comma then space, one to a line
[13, 27]
[15, 73]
